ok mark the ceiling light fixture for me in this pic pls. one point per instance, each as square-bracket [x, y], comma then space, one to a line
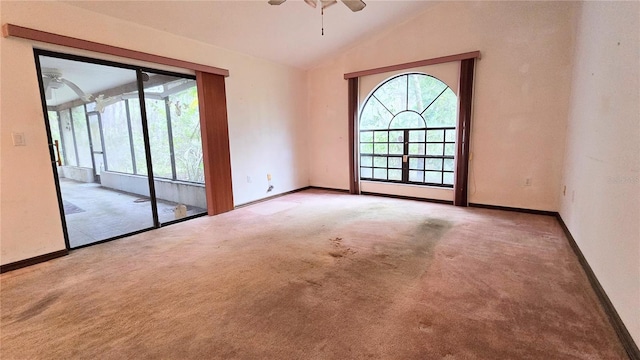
[353, 5]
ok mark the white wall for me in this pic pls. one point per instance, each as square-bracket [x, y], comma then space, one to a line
[521, 94]
[602, 163]
[266, 107]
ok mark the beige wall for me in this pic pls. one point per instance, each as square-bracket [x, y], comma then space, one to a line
[521, 94]
[602, 163]
[266, 105]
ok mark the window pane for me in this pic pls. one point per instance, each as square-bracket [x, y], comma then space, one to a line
[158, 137]
[138, 140]
[67, 138]
[381, 149]
[366, 136]
[416, 163]
[395, 175]
[366, 172]
[416, 135]
[407, 120]
[395, 162]
[434, 149]
[416, 149]
[451, 136]
[434, 177]
[443, 111]
[94, 126]
[433, 164]
[380, 174]
[54, 127]
[379, 161]
[448, 178]
[396, 149]
[366, 148]
[393, 94]
[82, 136]
[450, 149]
[396, 136]
[448, 164]
[416, 176]
[116, 138]
[435, 135]
[423, 90]
[374, 115]
[185, 126]
[381, 136]
[366, 161]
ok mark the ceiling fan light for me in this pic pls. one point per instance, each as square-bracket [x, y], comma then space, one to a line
[276, 2]
[311, 3]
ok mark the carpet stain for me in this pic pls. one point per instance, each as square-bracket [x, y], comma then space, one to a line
[433, 229]
[427, 328]
[339, 250]
[38, 308]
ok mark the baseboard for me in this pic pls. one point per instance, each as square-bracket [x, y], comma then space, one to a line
[32, 261]
[329, 189]
[271, 197]
[437, 201]
[521, 210]
[621, 330]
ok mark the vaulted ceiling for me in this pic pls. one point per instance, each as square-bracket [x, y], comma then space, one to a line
[289, 33]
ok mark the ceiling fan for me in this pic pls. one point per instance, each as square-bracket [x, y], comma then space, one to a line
[52, 80]
[354, 5]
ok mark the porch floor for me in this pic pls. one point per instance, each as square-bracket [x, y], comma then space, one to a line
[95, 213]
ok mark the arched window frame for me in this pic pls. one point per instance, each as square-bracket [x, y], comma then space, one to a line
[419, 155]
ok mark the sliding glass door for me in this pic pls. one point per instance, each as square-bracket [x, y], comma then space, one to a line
[173, 120]
[126, 147]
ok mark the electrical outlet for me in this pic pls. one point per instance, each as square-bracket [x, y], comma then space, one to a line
[527, 182]
[249, 179]
[18, 139]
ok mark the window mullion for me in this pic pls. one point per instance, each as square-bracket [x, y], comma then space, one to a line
[405, 156]
[434, 100]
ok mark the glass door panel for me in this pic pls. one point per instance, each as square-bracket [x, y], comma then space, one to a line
[94, 128]
[173, 119]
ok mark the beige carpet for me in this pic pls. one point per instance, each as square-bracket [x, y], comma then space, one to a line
[315, 275]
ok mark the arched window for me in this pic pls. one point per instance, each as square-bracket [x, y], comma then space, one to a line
[408, 132]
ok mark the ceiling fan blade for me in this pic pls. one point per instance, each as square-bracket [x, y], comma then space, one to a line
[76, 89]
[354, 5]
[327, 3]
[312, 3]
[276, 2]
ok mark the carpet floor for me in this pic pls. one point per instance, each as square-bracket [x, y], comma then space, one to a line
[315, 275]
